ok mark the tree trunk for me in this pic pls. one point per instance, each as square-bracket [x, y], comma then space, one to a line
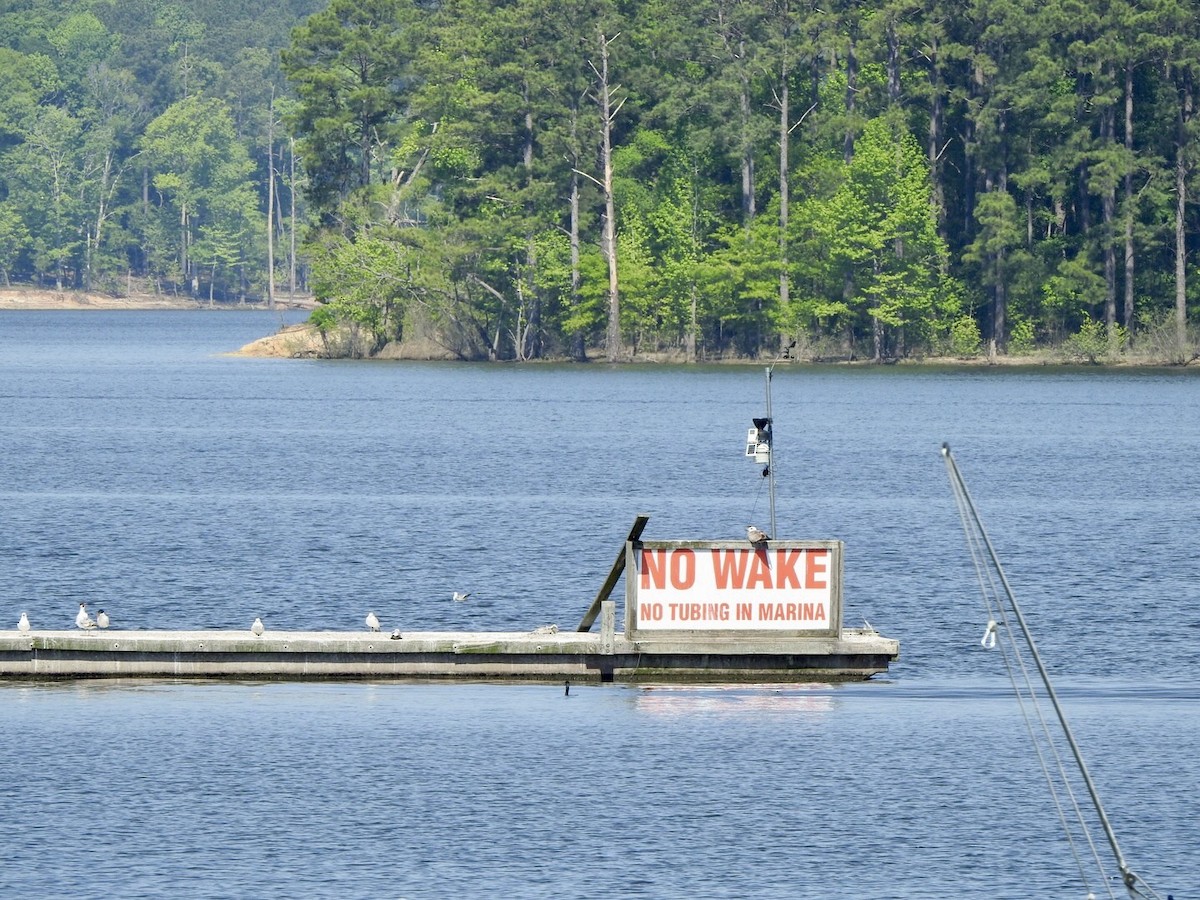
[1181, 174]
[691, 337]
[93, 245]
[271, 203]
[530, 341]
[783, 180]
[1000, 307]
[292, 213]
[609, 239]
[695, 252]
[145, 248]
[851, 100]
[184, 261]
[1108, 213]
[893, 63]
[736, 54]
[748, 202]
[935, 141]
[578, 347]
[1128, 317]
[970, 171]
[1000, 298]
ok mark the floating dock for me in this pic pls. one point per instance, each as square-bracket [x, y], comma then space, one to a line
[312, 655]
[694, 612]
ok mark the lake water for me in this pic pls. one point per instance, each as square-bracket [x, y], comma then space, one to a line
[151, 475]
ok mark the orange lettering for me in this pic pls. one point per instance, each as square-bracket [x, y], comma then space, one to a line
[683, 569]
[785, 568]
[654, 569]
[760, 571]
[816, 563]
[729, 567]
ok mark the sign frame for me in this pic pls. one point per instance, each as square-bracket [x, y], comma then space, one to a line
[633, 557]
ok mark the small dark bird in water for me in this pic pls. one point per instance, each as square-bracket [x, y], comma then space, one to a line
[566, 688]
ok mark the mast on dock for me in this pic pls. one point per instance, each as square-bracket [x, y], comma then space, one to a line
[1004, 611]
[760, 439]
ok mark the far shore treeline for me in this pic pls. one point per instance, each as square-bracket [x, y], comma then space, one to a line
[691, 179]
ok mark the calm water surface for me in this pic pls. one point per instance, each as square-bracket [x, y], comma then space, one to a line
[149, 474]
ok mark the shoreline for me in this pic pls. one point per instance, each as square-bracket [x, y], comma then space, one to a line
[303, 341]
[14, 297]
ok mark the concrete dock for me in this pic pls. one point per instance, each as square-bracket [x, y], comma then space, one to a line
[695, 611]
[514, 656]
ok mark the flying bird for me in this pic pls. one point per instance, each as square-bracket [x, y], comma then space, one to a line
[82, 619]
[372, 621]
[257, 627]
[23, 625]
[460, 597]
[102, 619]
[756, 534]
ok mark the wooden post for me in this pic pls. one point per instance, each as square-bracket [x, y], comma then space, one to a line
[639, 525]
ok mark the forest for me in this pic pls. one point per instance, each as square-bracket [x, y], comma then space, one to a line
[622, 179]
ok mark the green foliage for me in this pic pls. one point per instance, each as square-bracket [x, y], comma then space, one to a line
[1021, 338]
[203, 181]
[1094, 343]
[14, 238]
[868, 243]
[80, 84]
[1071, 295]
[348, 65]
[965, 340]
[444, 162]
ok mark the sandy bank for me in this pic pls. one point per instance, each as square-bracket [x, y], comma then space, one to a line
[33, 298]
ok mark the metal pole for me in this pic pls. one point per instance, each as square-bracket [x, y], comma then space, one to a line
[1127, 876]
[771, 456]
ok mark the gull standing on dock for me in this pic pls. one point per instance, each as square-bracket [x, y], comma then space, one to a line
[460, 597]
[102, 619]
[82, 619]
[23, 624]
[372, 621]
[756, 534]
[257, 627]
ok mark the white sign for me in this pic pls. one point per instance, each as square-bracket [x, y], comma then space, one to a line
[687, 586]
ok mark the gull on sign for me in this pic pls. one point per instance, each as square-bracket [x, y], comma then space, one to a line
[756, 535]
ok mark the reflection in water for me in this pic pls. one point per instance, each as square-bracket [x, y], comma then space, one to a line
[732, 700]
